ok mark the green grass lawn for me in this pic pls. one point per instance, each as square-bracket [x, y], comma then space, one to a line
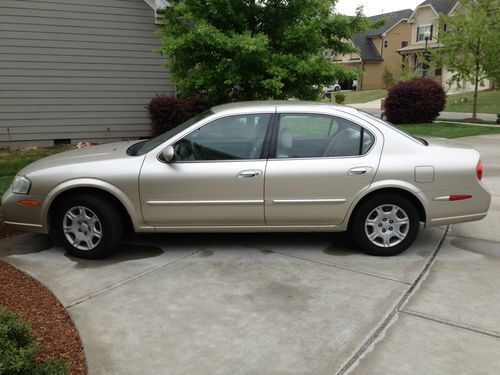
[363, 96]
[488, 102]
[12, 162]
[445, 130]
[360, 96]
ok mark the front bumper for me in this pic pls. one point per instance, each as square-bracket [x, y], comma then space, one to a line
[25, 218]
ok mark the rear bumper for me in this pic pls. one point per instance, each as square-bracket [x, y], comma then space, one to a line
[441, 211]
[457, 219]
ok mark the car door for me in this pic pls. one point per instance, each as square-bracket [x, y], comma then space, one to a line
[215, 179]
[318, 165]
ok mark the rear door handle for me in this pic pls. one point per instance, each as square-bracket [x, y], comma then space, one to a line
[250, 173]
[359, 171]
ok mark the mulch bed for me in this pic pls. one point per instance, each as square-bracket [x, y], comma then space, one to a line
[51, 324]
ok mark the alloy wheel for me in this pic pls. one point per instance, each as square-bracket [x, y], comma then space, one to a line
[387, 225]
[82, 228]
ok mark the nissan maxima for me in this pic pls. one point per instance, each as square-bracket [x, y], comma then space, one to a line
[254, 167]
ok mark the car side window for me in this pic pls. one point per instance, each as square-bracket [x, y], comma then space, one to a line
[228, 138]
[313, 136]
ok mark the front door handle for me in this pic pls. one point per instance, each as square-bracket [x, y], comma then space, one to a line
[359, 171]
[250, 173]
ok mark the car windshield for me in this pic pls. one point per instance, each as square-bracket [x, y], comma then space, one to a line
[395, 128]
[151, 144]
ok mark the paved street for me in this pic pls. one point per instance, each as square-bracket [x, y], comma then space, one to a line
[284, 303]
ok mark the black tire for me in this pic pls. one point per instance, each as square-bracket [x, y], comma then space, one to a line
[359, 232]
[109, 220]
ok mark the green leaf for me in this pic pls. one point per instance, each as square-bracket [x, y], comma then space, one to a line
[232, 50]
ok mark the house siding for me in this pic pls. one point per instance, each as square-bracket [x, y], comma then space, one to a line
[425, 16]
[373, 71]
[78, 72]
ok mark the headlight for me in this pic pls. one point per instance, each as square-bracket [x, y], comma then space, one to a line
[21, 185]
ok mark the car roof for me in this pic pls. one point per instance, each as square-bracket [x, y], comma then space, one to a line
[271, 105]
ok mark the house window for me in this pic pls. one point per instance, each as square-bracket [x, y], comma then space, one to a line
[422, 30]
[404, 44]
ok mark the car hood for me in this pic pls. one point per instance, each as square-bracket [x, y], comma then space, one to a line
[97, 153]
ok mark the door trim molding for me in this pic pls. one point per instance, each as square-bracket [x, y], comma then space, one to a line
[308, 201]
[205, 203]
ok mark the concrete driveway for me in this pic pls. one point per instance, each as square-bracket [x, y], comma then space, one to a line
[284, 303]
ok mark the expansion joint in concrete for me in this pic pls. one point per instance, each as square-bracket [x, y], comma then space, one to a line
[386, 322]
[451, 323]
[128, 280]
[342, 267]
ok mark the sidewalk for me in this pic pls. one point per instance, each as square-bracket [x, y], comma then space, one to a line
[373, 108]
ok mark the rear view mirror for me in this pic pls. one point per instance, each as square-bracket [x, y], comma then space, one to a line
[168, 154]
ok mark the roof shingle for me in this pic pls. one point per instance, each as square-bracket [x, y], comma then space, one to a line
[440, 6]
[391, 19]
[367, 50]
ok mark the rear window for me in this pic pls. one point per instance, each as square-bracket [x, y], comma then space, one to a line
[395, 128]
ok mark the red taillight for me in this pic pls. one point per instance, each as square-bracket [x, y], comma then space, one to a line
[459, 197]
[480, 170]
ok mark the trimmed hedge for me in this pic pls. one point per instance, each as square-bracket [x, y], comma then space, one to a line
[167, 112]
[339, 98]
[18, 350]
[415, 101]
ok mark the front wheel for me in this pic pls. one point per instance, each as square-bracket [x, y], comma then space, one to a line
[88, 226]
[385, 225]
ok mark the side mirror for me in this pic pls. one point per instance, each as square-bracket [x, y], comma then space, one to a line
[168, 154]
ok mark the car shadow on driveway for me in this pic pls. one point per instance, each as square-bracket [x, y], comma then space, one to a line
[124, 253]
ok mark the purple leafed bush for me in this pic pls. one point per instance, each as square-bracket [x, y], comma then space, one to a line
[416, 101]
[167, 112]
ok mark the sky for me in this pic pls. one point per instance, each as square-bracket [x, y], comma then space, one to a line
[373, 7]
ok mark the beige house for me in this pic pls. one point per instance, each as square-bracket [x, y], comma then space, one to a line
[378, 50]
[424, 23]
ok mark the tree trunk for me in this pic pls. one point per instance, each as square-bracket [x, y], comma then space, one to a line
[476, 87]
[476, 78]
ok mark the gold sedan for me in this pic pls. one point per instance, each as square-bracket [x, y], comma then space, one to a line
[252, 167]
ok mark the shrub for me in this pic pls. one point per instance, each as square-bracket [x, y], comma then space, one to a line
[339, 98]
[416, 101]
[388, 78]
[18, 349]
[167, 112]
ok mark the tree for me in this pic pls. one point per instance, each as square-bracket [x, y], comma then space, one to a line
[233, 50]
[471, 43]
[388, 78]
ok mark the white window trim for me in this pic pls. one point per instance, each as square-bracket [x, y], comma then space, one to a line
[423, 25]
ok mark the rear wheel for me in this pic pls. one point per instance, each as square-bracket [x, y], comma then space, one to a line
[385, 225]
[88, 226]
